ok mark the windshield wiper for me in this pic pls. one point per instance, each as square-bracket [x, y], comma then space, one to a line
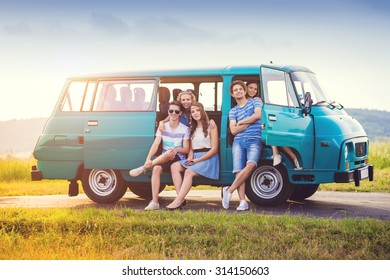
[338, 105]
[334, 104]
[325, 102]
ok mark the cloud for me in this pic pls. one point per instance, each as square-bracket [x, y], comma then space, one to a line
[109, 24]
[18, 29]
[168, 29]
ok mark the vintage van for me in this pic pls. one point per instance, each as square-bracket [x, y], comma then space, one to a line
[103, 125]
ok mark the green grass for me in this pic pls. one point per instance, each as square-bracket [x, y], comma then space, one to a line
[379, 155]
[129, 234]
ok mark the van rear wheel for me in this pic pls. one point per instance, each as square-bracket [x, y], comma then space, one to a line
[268, 185]
[103, 185]
[143, 189]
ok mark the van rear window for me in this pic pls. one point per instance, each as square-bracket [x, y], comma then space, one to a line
[123, 95]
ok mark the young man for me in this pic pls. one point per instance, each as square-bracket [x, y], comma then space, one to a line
[245, 124]
[175, 146]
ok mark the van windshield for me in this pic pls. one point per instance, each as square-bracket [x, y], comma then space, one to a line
[307, 82]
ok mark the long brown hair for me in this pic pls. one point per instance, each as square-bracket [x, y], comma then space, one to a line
[204, 118]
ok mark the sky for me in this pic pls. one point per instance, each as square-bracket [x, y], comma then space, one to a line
[345, 42]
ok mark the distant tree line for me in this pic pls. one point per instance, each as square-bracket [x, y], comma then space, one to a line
[375, 122]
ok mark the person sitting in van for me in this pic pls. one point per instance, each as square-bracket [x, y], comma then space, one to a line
[245, 124]
[175, 146]
[186, 98]
[253, 92]
[202, 158]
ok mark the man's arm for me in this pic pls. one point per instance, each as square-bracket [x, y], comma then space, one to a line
[252, 118]
[235, 128]
[153, 149]
[185, 149]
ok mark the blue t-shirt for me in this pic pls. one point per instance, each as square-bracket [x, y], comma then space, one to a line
[239, 113]
[184, 119]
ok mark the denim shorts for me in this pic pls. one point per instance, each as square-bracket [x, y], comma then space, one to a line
[245, 150]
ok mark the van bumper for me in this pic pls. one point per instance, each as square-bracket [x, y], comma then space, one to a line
[355, 175]
[36, 175]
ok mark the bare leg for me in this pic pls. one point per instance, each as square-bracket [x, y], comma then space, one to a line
[157, 170]
[165, 157]
[294, 158]
[241, 191]
[290, 153]
[275, 150]
[177, 179]
[184, 189]
[242, 176]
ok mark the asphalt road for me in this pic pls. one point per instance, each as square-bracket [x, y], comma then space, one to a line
[322, 204]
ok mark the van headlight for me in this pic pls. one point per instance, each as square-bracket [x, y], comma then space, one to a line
[346, 152]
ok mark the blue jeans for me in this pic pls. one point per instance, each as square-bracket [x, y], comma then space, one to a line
[245, 150]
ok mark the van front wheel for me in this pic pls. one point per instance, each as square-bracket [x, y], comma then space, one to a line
[103, 185]
[302, 191]
[268, 185]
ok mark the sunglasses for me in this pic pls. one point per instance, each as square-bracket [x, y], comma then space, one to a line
[176, 111]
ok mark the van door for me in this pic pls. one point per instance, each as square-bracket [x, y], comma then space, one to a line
[119, 129]
[284, 123]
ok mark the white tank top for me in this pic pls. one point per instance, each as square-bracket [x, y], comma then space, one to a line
[199, 141]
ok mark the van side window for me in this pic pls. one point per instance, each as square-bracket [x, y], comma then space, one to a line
[88, 97]
[278, 89]
[125, 96]
[74, 97]
[210, 95]
[208, 91]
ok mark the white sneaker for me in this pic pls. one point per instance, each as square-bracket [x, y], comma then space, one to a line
[297, 166]
[226, 197]
[152, 206]
[277, 159]
[137, 171]
[243, 206]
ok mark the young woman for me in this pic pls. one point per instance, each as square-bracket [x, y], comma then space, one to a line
[202, 158]
[253, 90]
[186, 98]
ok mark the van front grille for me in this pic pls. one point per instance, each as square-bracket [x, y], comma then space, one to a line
[360, 149]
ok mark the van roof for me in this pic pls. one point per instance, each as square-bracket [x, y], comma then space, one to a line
[228, 70]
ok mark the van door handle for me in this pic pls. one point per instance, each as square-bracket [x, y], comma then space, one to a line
[93, 123]
[272, 118]
[87, 130]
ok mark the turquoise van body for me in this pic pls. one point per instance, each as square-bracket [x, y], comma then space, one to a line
[103, 125]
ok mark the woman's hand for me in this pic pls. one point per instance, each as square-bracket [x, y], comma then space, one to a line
[190, 161]
[161, 126]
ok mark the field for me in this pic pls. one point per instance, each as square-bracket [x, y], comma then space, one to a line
[122, 233]
[15, 176]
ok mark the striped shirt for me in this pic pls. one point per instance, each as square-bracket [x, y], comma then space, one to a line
[239, 113]
[174, 139]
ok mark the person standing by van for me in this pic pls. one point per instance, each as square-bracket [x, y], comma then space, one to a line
[175, 146]
[202, 159]
[245, 125]
[253, 92]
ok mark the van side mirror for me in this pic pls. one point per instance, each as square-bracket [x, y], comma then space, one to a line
[308, 102]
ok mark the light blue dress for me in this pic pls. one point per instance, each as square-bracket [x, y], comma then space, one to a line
[207, 168]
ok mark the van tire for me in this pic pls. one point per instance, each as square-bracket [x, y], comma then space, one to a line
[143, 190]
[303, 191]
[268, 185]
[103, 185]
